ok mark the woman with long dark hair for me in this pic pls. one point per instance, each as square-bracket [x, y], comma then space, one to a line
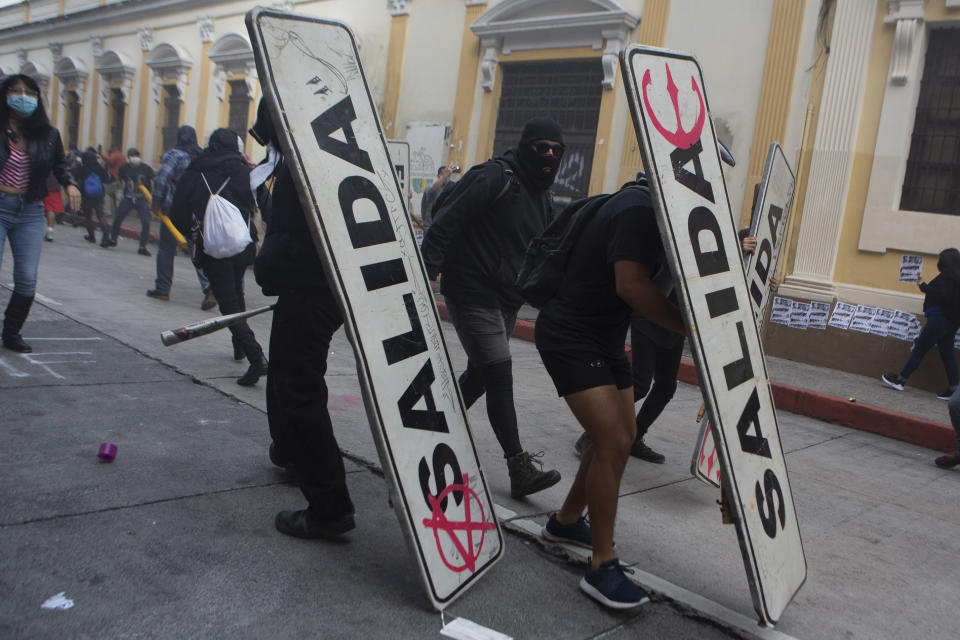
[30, 149]
[223, 168]
[941, 305]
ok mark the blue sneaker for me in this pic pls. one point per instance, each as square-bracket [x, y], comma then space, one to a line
[577, 533]
[609, 585]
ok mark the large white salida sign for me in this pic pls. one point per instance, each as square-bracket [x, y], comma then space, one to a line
[669, 105]
[768, 225]
[332, 140]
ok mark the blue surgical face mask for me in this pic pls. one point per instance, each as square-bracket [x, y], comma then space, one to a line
[23, 105]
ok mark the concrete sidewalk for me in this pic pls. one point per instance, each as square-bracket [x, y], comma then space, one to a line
[878, 519]
[847, 399]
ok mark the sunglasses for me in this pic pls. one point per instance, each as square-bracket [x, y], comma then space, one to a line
[542, 148]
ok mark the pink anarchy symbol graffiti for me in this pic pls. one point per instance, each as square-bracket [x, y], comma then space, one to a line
[680, 138]
[438, 522]
[713, 454]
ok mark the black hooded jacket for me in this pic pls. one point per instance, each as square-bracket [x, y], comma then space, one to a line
[90, 163]
[480, 235]
[288, 259]
[218, 162]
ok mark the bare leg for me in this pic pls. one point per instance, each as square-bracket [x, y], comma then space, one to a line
[606, 414]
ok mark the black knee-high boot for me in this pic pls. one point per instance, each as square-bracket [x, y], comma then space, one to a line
[13, 320]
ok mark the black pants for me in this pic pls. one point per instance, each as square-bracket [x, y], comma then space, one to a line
[304, 322]
[656, 364]
[226, 280]
[90, 207]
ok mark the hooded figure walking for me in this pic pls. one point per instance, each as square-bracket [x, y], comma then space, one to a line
[222, 165]
[477, 241]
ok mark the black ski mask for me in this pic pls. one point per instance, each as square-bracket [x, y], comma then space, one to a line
[539, 169]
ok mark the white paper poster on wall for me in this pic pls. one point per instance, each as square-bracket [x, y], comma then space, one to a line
[911, 268]
[428, 152]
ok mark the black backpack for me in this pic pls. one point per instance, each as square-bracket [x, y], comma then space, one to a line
[545, 262]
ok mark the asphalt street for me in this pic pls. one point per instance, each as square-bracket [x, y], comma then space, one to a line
[175, 537]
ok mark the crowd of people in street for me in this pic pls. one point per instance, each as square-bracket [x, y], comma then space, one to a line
[477, 232]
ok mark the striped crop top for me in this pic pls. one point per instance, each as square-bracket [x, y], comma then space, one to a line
[16, 172]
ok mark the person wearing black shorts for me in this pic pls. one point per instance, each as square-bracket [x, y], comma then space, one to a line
[580, 335]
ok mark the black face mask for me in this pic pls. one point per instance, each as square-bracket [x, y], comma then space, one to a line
[532, 164]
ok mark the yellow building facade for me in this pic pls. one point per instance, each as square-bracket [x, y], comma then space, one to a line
[836, 82]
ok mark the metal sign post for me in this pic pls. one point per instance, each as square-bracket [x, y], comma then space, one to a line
[669, 107]
[768, 225]
[333, 143]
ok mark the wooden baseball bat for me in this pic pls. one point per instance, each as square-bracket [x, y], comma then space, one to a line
[204, 327]
[181, 241]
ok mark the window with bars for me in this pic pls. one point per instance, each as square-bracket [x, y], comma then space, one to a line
[73, 118]
[932, 179]
[171, 116]
[239, 107]
[568, 91]
[118, 109]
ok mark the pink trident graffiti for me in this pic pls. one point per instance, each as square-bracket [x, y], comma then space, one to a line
[680, 139]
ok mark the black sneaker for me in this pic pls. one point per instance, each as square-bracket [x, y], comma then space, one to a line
[526, 478]
[577, 533]
[893, 380]
[582, 444]
[639, 449]
[946, 395]
[609, 585]
[300, 525]
[948, 462]
[143, 251]
[253, 372]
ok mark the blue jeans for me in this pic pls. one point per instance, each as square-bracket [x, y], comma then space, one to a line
[166, 251]
[123, 209]
[938, 331]
[22, 223]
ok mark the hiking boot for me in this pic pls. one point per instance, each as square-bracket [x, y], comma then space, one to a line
[526, 478]
[209, 302]
[300, 525]
[639, 449]
[577, 533]
[143, 251]
[893, 380]
[948, 462]
[946, 395]
[582, 444]
[609, 585]
[254, 371]
[156, 293]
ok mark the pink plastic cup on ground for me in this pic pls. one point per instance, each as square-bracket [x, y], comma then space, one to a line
[108, 451]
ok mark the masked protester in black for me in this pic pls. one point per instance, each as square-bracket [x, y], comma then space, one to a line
[305, 318]
[477, 240]
[218, 162]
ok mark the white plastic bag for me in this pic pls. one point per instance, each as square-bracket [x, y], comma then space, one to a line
[225, 234]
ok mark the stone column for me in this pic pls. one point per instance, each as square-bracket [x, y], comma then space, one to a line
[833, 150]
